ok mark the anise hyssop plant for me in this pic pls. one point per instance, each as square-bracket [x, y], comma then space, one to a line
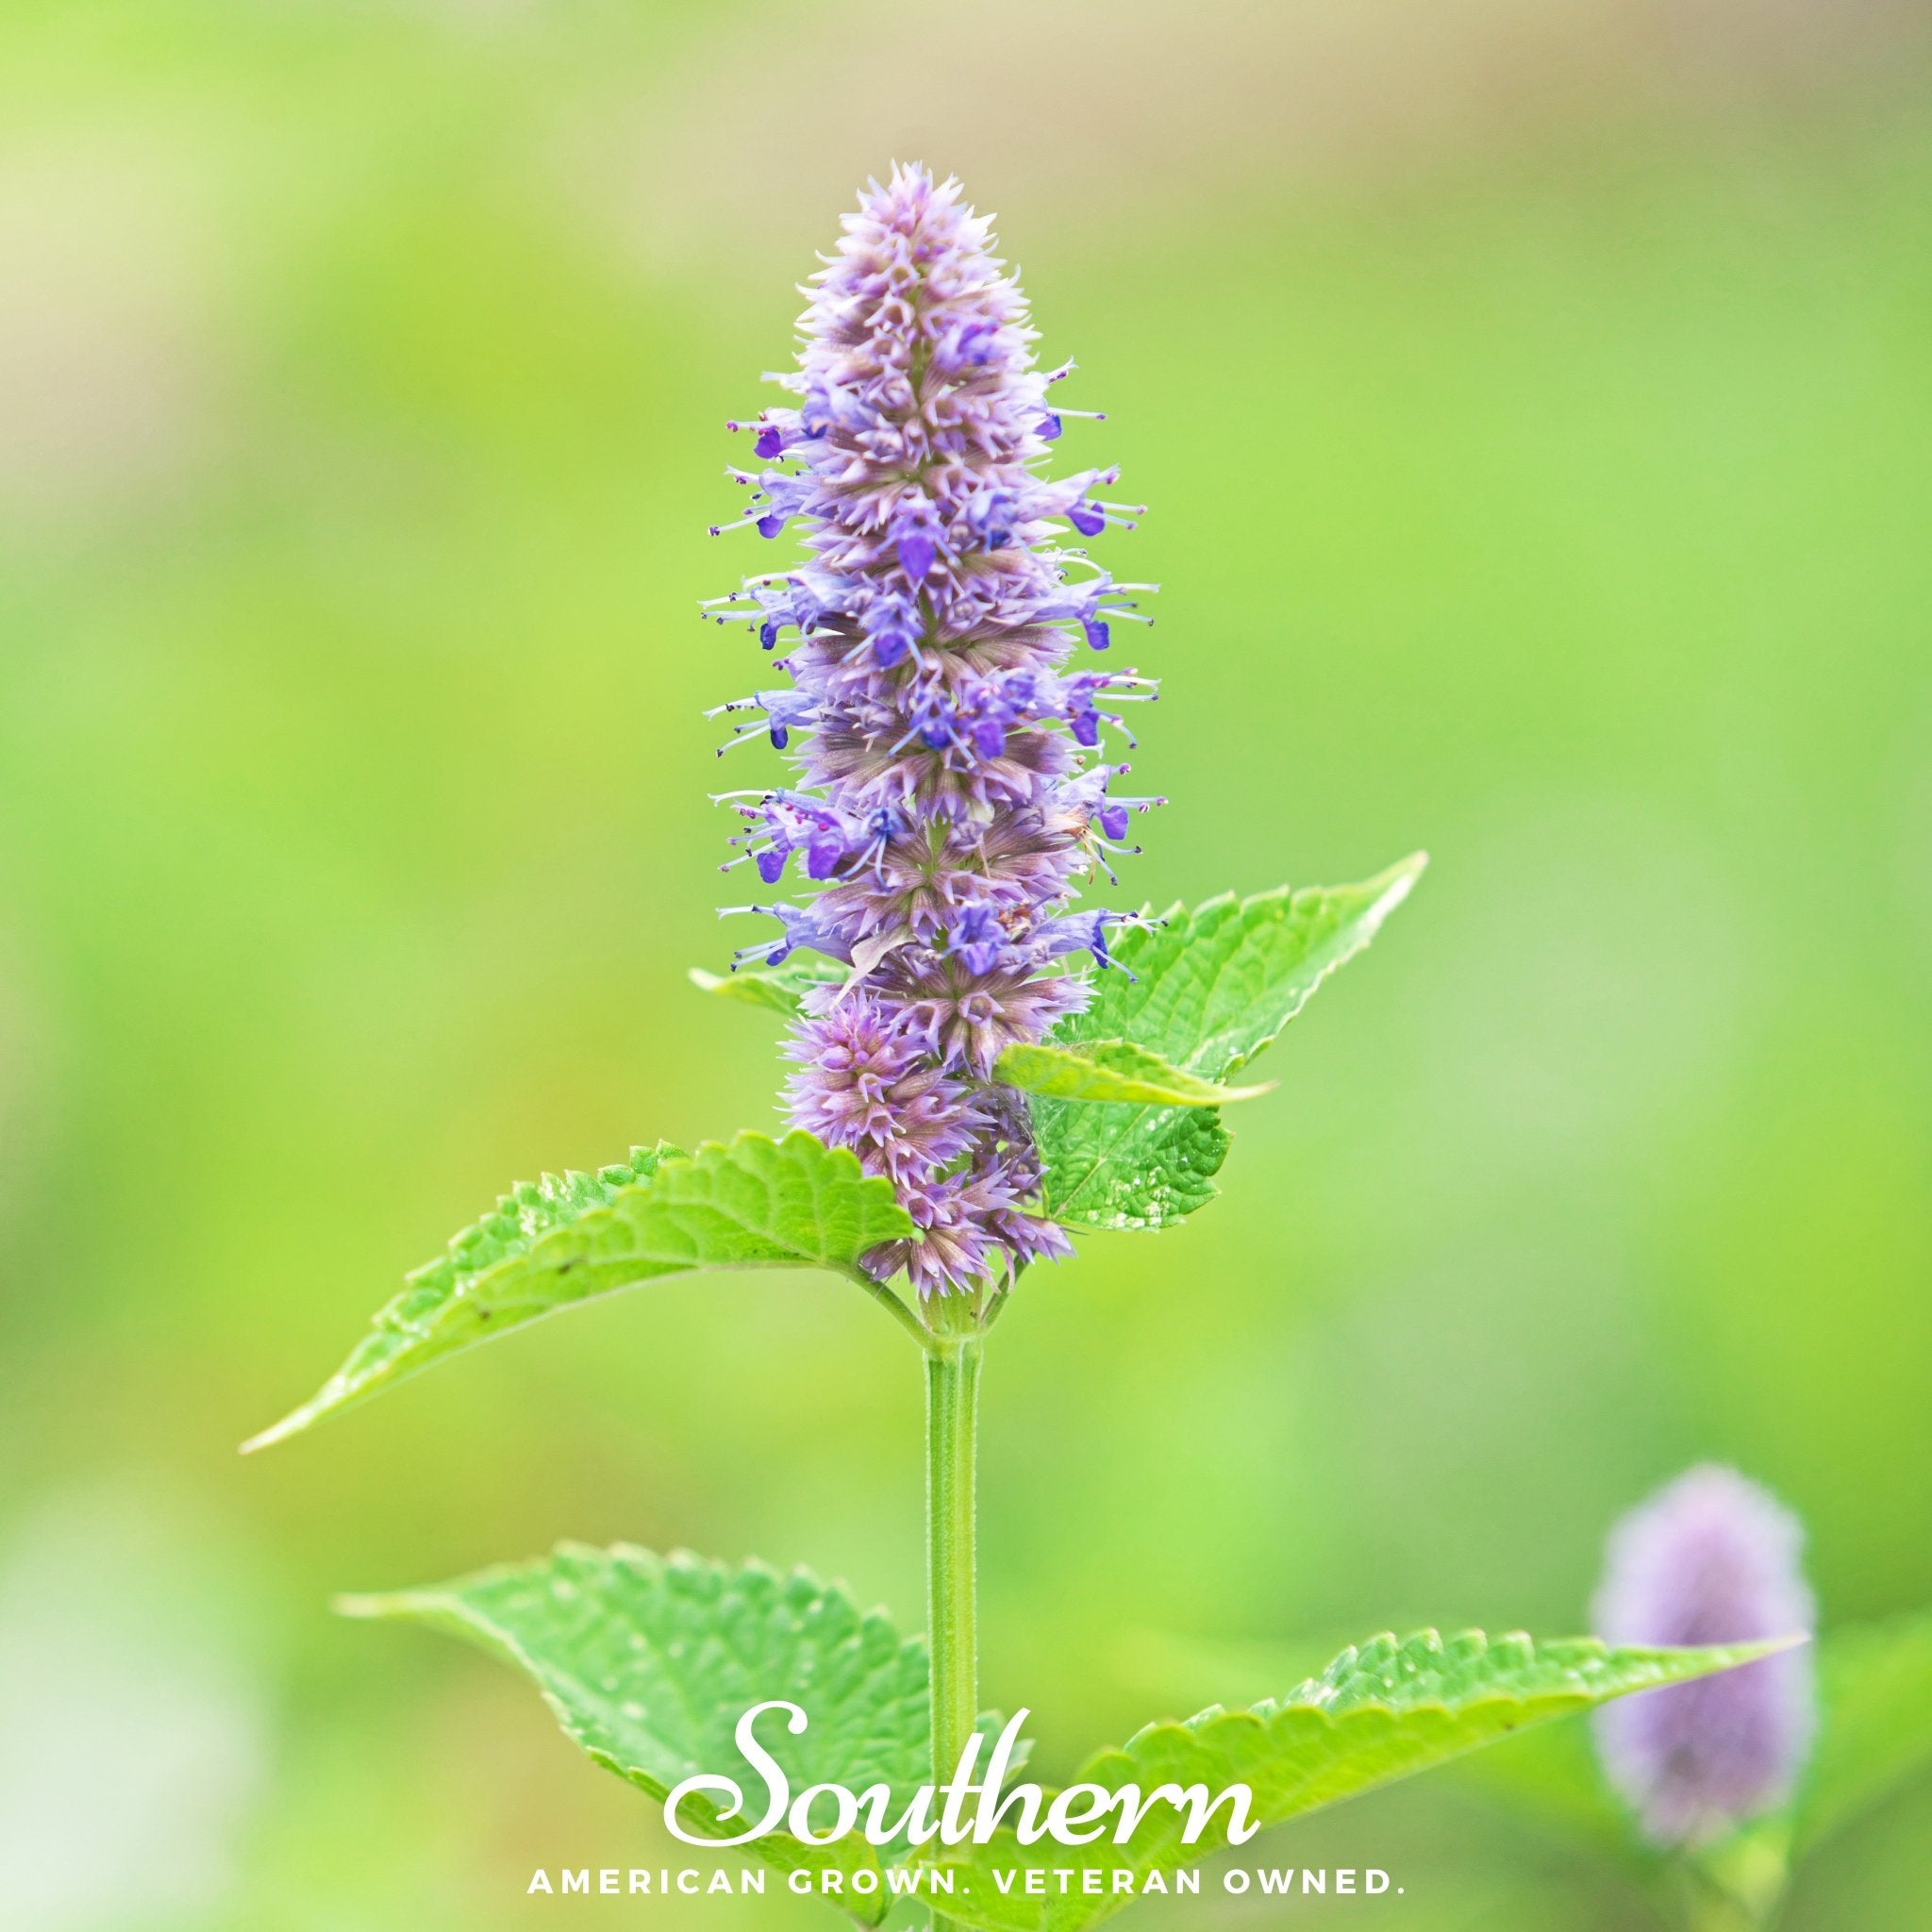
[983, 1069]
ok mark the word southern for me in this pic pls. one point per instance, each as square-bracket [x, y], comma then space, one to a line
[1079, 1815]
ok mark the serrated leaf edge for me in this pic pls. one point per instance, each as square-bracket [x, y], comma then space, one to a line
[1392, 885]
[439, 1607]
[337, 1394]
[1304, 1700]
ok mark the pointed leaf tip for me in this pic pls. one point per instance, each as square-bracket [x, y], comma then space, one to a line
[779, 989]
[1383, 1710]
[276, 1432]
[1111, 1070]
[757, 1203]
[1204, 991]
[649, 1662]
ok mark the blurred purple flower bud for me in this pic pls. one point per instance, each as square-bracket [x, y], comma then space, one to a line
[1710, 1559]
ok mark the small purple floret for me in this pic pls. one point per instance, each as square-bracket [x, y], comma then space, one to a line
[1710, 1558]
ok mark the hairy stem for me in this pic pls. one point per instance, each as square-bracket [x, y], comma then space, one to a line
[952, 1416]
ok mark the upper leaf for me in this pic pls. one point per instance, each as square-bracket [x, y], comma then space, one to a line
[1377, 1714]
[649, 1662]
[1209, 988]
[1212, 987]
[753, 1203]
[1101, 1069]
[779, 988]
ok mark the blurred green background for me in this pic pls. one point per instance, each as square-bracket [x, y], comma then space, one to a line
[1535, 404]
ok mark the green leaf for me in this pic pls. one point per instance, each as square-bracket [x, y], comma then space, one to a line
[550, 1244]
[1874, 1698]
[649, 1662]
[1377, 1714]
[1210, 988]
[779, 987]
[1874, 1693]
[1126, 1167]
[1104, 1069]
[1548, 1775]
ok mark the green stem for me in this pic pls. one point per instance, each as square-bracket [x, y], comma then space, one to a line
[1710, 1912]
[1710, 1905]
[892, 1304]
[1736, 1884]
[952, 1416]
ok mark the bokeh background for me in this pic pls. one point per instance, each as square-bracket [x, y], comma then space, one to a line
[1535, 402]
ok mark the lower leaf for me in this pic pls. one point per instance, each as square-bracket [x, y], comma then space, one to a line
[1379, 1713]
[649, 1662]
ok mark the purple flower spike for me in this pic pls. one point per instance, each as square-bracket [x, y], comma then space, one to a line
[1710, 1558]
[946, 804]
